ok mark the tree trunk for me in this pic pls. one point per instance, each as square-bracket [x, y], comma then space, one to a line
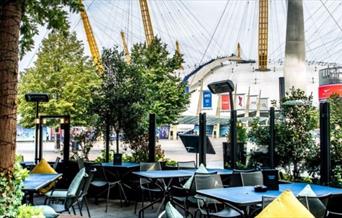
[10, 17]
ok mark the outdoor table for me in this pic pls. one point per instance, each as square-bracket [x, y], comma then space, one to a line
[154, 175]
[120, 172]
[246, 196]
[34, 182]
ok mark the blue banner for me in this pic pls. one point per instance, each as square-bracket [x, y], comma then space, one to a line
[206, 101]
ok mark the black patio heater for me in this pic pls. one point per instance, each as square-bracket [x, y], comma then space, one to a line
[36, 97]
[224, 87]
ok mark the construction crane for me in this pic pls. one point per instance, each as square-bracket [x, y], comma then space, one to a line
[91, 40]
[263, 35]
[125, 47]
[146, 18]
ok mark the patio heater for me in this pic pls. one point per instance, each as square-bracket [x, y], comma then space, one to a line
[324, 126]
[36, 97]
[224, 87]
[152, 138]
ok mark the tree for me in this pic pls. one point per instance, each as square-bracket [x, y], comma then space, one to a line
[166, 95]
[65, 74]
[119, 101]
[294, 143]
[18, 23]
[336, 137]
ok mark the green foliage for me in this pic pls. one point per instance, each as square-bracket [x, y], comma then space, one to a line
[293, 138]
[336, 137]
[11, 183]
[52, 14]
[85, 139]
[241, 133]
[62, 71]
[26, 211]
[119, 101]
[166, 95]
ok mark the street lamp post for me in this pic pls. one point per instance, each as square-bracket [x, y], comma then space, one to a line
[224, 87]
[36, 97]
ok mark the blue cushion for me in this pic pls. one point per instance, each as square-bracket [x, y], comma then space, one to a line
[48, 212]
[76, 182]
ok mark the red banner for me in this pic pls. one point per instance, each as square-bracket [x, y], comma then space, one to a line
[225, 104]
[326, 91]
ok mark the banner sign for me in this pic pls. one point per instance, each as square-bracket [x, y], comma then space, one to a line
[225, 103]
[207, 99]
[330, 76]
[253, 102]
[326, 91]
[240, 102]
[264, 104]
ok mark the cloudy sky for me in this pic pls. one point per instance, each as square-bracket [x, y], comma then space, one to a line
[207, 29]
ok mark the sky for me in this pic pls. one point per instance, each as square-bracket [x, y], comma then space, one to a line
[207, 29]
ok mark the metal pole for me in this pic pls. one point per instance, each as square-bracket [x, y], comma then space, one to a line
[233, 133]
[40, 138]
[36, 133]
[281, 88]
[271, 146]
[152, 138]
[202, 143]
[66, 147]
[324, 110]
[107, 138]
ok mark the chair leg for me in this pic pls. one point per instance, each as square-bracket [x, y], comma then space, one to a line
[86, 205]
[108, 192]
[73, 210]
[79, 207]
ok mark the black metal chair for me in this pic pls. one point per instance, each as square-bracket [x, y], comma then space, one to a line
[252, 178]
[103, 181]
[210, 207]
[83, 196]
[334, 208]
[186, 165]
[149, 186]
[314, 205]
[55, 164]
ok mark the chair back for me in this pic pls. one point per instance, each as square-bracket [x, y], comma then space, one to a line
[148, 166]
[252, 178]
[55, 164]
[75, 188]
[186, 165]
[87, 183]
[208, 181]
[334, 206]
[80, 162]
[314, 205]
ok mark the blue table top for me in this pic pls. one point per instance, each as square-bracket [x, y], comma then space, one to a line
[245, 195]
[36, 181]
[164, 174]
[122, 165]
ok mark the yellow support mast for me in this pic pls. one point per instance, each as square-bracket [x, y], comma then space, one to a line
[238, 51]
[146, 18]
[125, 47]
[179, 53]
[91, 40]
[263, 35]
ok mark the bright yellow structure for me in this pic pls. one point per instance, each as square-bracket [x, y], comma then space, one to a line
[146, 18]
[125, 47]
[238, 51]
[91, 40]
[178, 52]
[263, 35]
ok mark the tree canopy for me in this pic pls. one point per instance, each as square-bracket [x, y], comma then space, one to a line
[65, 74]
[166, 95]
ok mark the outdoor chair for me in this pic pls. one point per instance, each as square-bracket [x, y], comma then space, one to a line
[83, 196]
[252, 178]
[334, 208]
[55, 164]
[104, 181]
[235, 178]
[186, 165]
[80, 163]
[210, 207]
[314, 205]
[69, 197]
[145, 185]
[183, 165]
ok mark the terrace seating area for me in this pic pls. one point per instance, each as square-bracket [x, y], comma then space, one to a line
[149, 190]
